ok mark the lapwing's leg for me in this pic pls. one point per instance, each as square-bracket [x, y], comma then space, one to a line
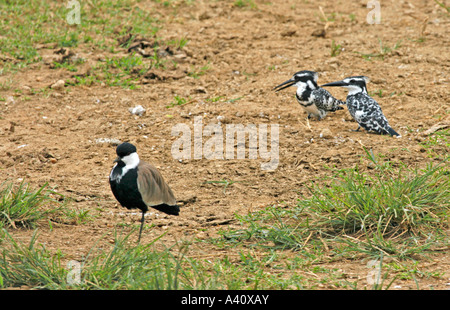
[142, 225]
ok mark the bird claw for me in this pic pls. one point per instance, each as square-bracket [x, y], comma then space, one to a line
[337, 108]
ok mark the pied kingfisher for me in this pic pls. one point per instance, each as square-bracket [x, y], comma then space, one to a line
[364, 109]
[315, 100]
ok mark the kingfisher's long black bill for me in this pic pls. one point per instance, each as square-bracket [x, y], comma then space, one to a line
[338, 83]
[286, 84]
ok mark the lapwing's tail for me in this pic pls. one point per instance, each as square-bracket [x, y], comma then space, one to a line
[172, 210]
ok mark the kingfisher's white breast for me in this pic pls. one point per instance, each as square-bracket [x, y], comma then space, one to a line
[311, 109]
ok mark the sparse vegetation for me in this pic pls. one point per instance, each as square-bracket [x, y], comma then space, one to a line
[120, 267]
[437, 145]
[178, 100]
[196, 73]
[245, 4]
[389, 213]
[336, 49]
[225, 183]
[401, 213]
[442, 5]
[382, 53]
[21, 206]
[41, 25]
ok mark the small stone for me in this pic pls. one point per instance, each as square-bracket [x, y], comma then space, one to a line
[289, 32]
[9, 100]
[58, 85]
[27, 90]
[137, 110]
[326, 133]
[320, 33]
[112, 141]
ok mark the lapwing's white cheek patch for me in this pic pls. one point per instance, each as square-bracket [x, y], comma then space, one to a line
[131, 161]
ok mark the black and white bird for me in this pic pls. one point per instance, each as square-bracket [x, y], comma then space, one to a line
[316, 101]
[139, 185]
[363, 108]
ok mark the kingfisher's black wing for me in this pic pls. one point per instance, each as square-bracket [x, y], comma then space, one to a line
[325, 101]
[368, 114]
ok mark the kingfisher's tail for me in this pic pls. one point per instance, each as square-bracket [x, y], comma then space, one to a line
[392, 132]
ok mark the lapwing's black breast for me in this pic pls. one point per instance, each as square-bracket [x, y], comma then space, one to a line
[125, 189]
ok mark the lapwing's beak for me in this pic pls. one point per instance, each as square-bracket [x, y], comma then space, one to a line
[286, 84]
[338, 83]
[116, 160]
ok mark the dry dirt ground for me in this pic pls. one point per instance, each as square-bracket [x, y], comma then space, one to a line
[248, 50]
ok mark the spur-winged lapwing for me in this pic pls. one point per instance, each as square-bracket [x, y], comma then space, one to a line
[137, 184]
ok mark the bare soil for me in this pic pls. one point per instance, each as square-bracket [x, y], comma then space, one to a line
[248, 50]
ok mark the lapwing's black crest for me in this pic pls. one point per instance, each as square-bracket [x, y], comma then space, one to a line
[363, 108]
[139, 185]
[316, 101]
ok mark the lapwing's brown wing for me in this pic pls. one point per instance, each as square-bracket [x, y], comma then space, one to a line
[154, 190]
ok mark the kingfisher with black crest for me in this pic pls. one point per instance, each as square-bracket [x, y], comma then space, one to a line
[363, 108]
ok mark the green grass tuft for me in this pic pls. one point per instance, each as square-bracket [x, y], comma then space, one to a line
[122, 266]
[402, 213]
[21, 206]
